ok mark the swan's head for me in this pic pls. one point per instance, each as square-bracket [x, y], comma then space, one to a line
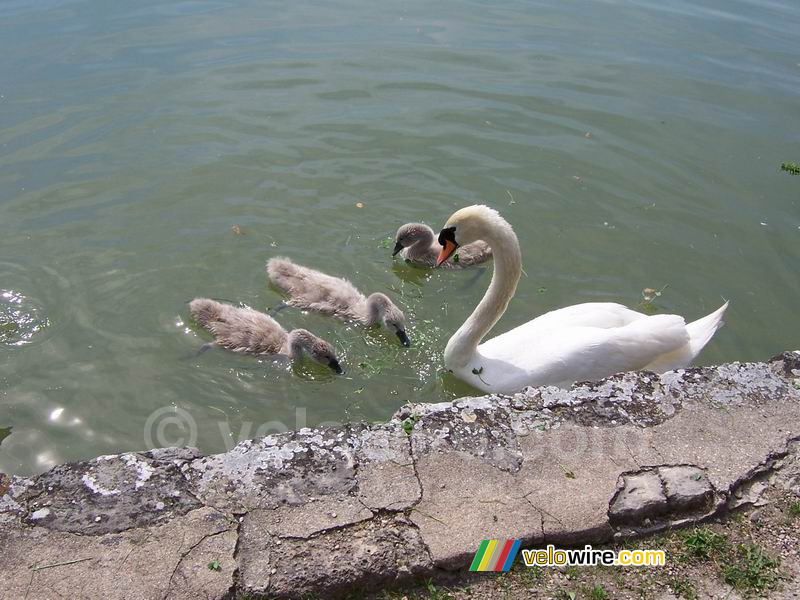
[318, 349]
[380, 308]
[468, 225]
[410, 234]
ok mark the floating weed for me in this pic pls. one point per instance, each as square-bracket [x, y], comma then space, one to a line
[791, 168]
[478, 372]
[649, 295]
[4, 433]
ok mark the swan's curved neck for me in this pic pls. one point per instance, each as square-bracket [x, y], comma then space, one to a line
[507, 269]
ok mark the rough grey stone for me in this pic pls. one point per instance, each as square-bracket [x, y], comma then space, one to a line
[12, 492]
[635, 398]
[108, 494]
[288, 468]
[641, 497]
[687, 488]
[479, 427]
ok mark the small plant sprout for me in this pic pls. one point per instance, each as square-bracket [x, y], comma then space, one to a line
[567, 473]
[214, 565]
[408, 423]
[752, 570]
[704, 544]
[598, 592]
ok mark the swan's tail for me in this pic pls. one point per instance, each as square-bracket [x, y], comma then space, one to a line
[702, 330]
[282, 272]
[205, 311]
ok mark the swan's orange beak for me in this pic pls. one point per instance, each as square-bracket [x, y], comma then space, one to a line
[447, 251]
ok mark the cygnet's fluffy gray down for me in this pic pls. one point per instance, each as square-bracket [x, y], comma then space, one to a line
[309, 289]
[250, 331]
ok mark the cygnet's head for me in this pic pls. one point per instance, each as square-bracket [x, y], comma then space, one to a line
[380, 308]
[468, 225]
[318, 349]
[410, 234]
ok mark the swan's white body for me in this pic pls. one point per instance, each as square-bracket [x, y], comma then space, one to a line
[583, 342]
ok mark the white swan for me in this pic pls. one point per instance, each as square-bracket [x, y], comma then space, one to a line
[584, 342]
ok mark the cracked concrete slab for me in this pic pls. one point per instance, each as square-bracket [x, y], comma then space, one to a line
[364, 555]
[386, 477]
[161, 561]
[463, 500]
[314, 517]
[329, 511]
[570, 475]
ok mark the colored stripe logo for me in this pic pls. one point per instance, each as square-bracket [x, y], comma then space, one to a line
[495, 555]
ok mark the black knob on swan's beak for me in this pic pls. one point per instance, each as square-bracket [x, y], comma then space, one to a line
[404, 339]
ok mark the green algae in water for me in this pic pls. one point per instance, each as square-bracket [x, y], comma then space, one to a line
[20, 319]
[791, 168]
[4, 433]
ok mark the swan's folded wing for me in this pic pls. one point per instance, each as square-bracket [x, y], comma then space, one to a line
[560, 355]
[603, 315]
[636, 345]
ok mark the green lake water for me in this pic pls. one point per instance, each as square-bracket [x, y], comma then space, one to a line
[631, 145]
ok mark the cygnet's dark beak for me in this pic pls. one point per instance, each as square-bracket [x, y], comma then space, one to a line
[397, 247]
[404, 339]
[334, 364]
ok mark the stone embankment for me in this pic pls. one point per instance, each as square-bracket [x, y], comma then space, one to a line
[328, 511]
